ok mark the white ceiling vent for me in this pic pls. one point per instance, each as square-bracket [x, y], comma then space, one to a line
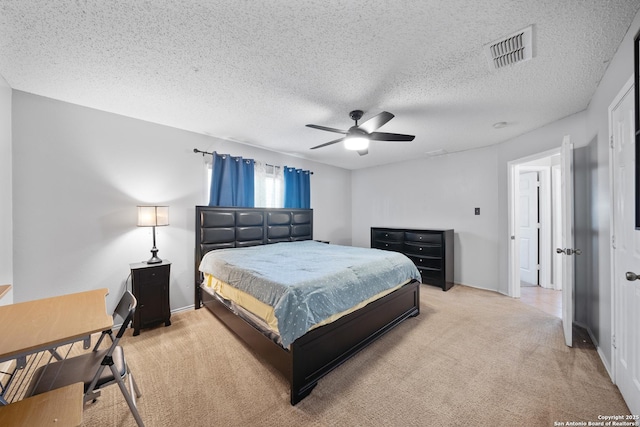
[517, 47]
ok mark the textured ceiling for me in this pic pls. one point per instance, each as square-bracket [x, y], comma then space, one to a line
[257, 71]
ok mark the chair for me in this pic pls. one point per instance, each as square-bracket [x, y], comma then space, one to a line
[90, 369]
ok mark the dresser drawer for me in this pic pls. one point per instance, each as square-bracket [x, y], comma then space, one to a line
[147, 275]
[432, 263]
[388, 235]
[414, 236]
[388, 246]
[431, 276]
[421, 249]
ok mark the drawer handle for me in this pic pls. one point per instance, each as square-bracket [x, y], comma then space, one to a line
[386, 245]
[420, 248]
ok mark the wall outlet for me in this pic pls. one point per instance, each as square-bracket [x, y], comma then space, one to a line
[477, 211]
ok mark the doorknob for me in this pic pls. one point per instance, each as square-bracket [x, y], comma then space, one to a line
[632, 276]
[569, 251]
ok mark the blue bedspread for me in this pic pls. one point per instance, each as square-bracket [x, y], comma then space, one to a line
[306, 282]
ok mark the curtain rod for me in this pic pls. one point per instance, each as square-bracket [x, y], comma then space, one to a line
[195, 150]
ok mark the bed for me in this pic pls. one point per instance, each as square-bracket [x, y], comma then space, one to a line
[307, 355]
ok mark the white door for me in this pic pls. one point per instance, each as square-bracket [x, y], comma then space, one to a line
[568, 251]
[626, 253]
[529, 227]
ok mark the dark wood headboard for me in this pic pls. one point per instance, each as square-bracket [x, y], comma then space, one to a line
[219, 228]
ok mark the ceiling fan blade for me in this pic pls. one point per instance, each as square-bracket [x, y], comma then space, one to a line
[327, 143]
[383, 136]
[363, 152]
[376, 122]
[327, 129]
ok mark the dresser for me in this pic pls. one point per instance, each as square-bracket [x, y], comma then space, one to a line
[150, 286]
[430, 250]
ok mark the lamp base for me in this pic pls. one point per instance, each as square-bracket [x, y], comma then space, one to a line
[154, 259]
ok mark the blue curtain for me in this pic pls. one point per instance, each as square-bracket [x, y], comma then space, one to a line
[297, 188]
[232, 181]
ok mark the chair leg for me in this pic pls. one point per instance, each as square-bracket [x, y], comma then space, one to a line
[133, 395]
[132, 382]
[127, 397]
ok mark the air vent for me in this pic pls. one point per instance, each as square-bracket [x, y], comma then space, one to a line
[517, 47]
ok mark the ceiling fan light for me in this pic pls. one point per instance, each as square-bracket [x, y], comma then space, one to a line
[356, 142]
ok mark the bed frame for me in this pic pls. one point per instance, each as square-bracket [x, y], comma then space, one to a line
[321, 350]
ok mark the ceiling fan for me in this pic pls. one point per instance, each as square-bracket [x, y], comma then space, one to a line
[357, 137]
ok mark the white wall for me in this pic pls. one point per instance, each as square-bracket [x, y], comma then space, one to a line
[6, 205]
[438, 192]
[442, 192]
[78, 174]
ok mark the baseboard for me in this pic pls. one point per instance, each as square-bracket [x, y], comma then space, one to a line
[178, 310]
[174, 311]
[603, 359]
[481, 288]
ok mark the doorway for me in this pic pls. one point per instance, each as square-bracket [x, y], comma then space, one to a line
[538, 219]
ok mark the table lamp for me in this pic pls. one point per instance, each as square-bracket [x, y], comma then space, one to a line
[153, 216]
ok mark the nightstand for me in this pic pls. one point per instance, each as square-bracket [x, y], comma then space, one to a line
[150, 286]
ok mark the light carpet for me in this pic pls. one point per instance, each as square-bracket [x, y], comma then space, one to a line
[471, 358]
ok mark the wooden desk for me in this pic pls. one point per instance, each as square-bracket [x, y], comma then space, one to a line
[33, 326]
[59, 407]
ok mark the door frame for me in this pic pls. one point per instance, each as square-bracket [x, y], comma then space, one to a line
[628, 86]
[515, 167]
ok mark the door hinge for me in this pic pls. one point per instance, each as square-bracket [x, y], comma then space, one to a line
[613, 341]
[613, 242]
[538, 267]
[611, 141]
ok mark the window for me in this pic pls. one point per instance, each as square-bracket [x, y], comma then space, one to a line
[269, 185]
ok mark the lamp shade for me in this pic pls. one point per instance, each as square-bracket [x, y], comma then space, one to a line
[153, 216]
[356, 143]
[356, 139]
